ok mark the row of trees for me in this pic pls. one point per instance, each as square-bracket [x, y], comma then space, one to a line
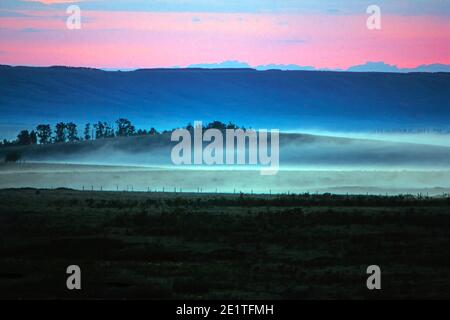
[68, 132]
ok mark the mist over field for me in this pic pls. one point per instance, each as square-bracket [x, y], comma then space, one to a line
[297, 151]
[308, 163]
[110, 178]
[341, 131]
[425, 138]
[211, 153]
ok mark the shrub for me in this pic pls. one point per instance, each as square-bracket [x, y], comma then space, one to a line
[13, 156]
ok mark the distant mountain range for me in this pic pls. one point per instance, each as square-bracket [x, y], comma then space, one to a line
[367, 67]
[169, 98]
[232, 64]
[383, 67]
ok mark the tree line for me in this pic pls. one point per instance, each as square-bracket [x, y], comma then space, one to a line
[68, 132]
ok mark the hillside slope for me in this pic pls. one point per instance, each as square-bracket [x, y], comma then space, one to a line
[296, 151]
[271, 99]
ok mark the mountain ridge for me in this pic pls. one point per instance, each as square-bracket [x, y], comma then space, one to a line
[369, 66]
[376, 67]
[169, 98]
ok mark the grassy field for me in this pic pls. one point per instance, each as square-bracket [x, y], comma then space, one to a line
[200, 246]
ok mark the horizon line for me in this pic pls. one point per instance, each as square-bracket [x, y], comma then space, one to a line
[193, 67]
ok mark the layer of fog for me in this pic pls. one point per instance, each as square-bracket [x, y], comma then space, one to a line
[308, 163]
[123, 178]
[427, 138]
[297, 152]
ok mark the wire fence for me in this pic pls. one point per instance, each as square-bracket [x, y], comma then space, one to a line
[247, 191]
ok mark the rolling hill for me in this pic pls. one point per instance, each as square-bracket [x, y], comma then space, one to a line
[297, 151]
[166, 98]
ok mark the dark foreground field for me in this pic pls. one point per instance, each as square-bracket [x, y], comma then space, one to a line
[177, 246]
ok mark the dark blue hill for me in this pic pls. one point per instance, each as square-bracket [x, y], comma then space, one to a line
[166, 98]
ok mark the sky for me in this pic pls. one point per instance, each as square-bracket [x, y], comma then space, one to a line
[167, 33]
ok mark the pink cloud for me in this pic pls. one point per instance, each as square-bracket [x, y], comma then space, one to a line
[143, 39]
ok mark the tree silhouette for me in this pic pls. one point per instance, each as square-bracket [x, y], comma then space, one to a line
[72, 132]
[103, 130]
[231, 125]
[6, 143]
[216, 125]
[60, 132]
[23, 138]
[142, 132]
[68, 132]
[44, 132]
[124, 128]
[33, 137]
[87, 132]
[99, 130]
[109, 131]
